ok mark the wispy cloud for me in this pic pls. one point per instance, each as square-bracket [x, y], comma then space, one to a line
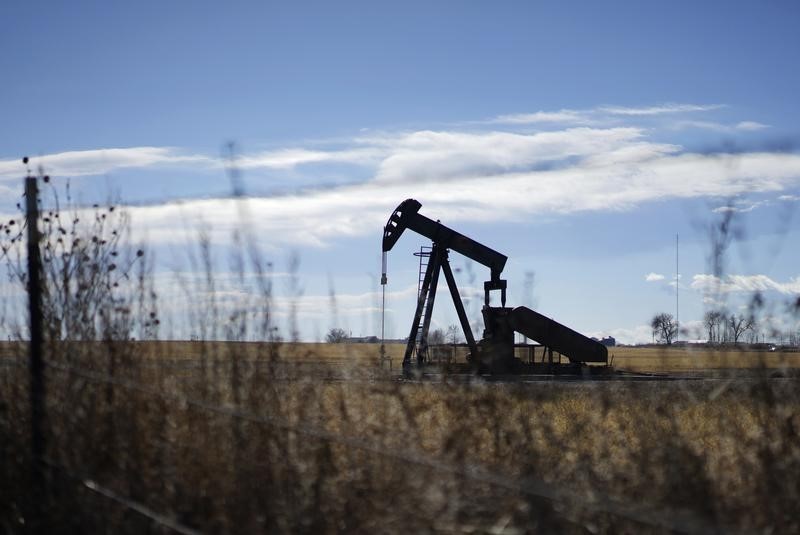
[750, 126]
[101, 161]
[446, 155]
[599, 115]
[561, 117]
[744, 283]
[640, 334]
[654, 277]
[740, 206]
[744, 126]
[663, 109]
[289, 158]
[318, 216]
[184, 295]
[490, 176]
[676, 282]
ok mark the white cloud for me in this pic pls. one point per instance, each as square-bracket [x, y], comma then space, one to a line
[743, 283]
[640, 334]
[99, 161]
[595, 116]
[431, 155]
[457, 175]
[659, 110]
[561, 117]
[741, 206]
[654, 277]
[750, 126]
[711, 301]
[744, 126]
[316, 217]
[190, 303]
[289, 158]
[789, 198]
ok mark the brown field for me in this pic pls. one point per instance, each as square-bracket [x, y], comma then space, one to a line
[643, 359]
[255, 438]
[654, 359]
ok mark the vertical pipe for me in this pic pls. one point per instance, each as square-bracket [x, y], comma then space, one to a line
[383, 308]
[677, 290]
[36, 361]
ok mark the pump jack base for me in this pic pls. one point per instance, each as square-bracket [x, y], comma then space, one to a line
[515, 368]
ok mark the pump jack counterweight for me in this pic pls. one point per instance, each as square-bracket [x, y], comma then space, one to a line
[495, 352]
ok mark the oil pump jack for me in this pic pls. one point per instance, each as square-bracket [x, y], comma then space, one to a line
[495, 352]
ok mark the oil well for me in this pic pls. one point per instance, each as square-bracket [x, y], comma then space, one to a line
[496, 352]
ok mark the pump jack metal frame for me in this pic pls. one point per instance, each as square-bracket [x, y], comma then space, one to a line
[439, 262]
[496, 350]
[444, 239]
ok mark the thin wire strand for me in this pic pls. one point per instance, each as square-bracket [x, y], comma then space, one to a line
[143, 510]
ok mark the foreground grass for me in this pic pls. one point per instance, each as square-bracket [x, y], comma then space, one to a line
[256, 437]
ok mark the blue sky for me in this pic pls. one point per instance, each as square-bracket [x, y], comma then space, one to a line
[577, 138]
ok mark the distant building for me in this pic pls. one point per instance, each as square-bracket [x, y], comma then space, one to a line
[608, 341]
[362, 340]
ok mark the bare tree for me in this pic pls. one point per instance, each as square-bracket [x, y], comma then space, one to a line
[436, 337]
[712, 321]
[453, 334]
[739, 325]
[336, 336]
[664, 326]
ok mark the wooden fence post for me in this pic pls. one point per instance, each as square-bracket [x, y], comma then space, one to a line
[36, 362]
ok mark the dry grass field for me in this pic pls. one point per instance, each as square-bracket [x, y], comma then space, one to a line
[655, 359]
[634, 358]
[231, 438]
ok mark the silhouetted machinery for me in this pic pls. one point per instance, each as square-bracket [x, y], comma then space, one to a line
[495, 353]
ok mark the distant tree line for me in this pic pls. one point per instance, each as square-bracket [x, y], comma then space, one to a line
[451, 335]
[720, 327]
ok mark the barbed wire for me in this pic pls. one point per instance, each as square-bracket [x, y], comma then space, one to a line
[128, 503]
